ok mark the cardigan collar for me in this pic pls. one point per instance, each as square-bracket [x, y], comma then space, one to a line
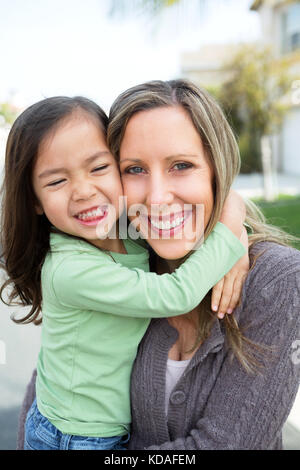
[166, 335]
[160, 337]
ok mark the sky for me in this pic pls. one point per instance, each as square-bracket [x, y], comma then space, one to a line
[71, 47]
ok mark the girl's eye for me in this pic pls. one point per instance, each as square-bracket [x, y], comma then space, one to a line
[55, 183]
[182, 166]
[134, 170]
[99, 168]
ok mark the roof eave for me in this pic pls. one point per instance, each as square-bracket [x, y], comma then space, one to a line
[255, 5]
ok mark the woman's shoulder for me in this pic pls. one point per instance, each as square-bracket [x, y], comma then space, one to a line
[271, 248]
[272, 289]
[269, 260]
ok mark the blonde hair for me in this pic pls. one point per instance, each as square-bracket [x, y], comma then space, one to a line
[223, 154]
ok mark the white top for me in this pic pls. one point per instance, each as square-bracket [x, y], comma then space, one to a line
[174, 371]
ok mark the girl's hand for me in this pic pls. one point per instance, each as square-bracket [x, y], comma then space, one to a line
[226, 293]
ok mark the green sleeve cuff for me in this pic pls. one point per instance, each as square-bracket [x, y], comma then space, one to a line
[235, 244]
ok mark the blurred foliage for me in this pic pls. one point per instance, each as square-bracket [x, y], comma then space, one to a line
[152, 7]
[254, 99]
[8, 113]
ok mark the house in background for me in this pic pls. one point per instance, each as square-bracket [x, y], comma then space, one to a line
[280, 23]
[205, 66]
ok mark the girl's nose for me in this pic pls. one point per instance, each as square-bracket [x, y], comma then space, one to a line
[83, 190]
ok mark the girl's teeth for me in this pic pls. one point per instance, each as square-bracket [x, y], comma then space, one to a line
[96, 213]
[167, 225]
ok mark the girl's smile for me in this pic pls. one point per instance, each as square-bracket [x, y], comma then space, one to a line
[77, 182]
[92, 216]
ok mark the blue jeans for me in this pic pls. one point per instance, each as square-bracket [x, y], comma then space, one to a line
[40, 434]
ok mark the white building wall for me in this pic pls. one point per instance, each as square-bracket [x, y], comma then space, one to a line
[291, 142]
[286, 146]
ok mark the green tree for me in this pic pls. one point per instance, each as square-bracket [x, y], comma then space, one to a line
[142, 6]
[254, 97]
[8, 113]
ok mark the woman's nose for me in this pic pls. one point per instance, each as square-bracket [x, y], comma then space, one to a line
[159, 192]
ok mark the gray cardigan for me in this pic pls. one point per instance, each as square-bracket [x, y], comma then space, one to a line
[216, 404]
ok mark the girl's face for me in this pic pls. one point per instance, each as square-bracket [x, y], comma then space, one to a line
[77, 182]
[166, 174]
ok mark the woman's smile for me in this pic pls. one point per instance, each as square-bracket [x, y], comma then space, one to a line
[167, 225]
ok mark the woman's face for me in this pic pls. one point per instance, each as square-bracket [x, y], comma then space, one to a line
[167, 177]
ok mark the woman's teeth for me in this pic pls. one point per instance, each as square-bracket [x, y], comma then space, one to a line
[91, 214]
[167, 225]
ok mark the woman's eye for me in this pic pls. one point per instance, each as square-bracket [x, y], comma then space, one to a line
[99, 168]
[134, 170]
[182, 166]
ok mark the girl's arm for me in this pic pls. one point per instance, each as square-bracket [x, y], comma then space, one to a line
[105, 286]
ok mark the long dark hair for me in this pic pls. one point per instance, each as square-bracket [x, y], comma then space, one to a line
[24, 234]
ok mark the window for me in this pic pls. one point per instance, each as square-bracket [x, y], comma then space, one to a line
[290, 29]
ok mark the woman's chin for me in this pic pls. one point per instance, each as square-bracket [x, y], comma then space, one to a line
[170, 249]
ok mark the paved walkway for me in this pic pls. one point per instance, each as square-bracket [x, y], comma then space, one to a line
[252, 185]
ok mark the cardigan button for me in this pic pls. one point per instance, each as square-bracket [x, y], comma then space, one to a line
[177, 398]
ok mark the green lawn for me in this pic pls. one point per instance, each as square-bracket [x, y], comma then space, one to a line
[284, 213]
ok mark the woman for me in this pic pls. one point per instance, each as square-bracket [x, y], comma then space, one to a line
[199, 383]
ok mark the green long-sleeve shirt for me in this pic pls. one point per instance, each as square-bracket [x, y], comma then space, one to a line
[96, 309]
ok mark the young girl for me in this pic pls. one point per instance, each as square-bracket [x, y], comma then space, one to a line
[61, 205]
